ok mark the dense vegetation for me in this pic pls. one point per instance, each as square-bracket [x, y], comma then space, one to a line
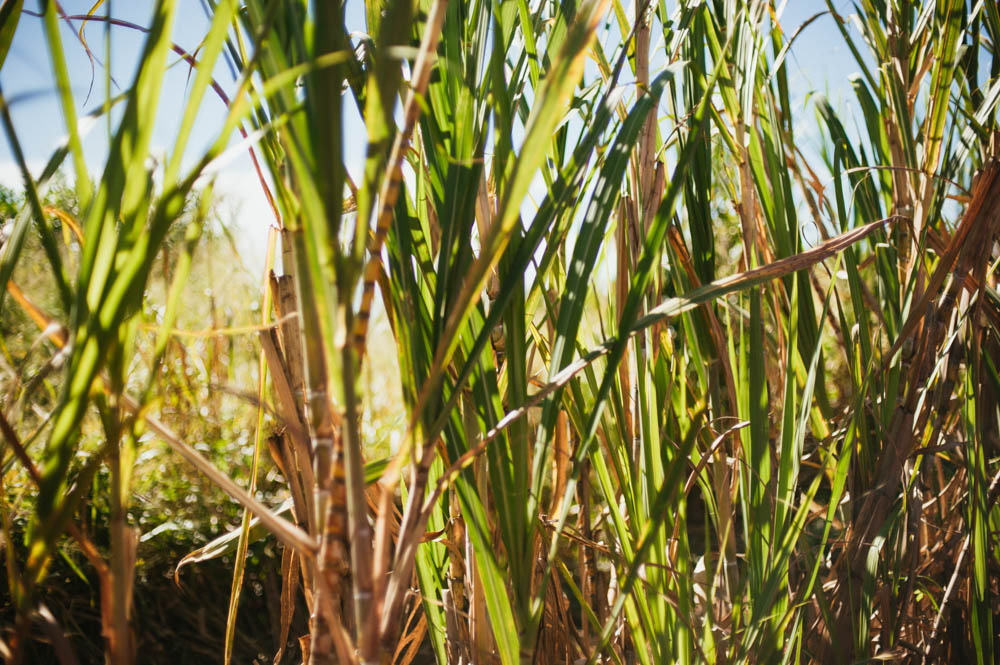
[670, 387]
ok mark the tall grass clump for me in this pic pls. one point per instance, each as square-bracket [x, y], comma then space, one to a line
[673, 387]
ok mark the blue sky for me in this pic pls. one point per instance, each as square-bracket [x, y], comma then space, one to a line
[818, 61]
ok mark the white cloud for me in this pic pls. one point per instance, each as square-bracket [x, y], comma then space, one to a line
[10, 173]
[246, 209]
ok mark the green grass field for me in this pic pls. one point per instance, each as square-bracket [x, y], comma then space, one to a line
[595, 359]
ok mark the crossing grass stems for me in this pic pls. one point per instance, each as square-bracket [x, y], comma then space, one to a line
[645, 421]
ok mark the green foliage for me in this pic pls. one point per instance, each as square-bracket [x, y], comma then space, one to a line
[670, 389]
